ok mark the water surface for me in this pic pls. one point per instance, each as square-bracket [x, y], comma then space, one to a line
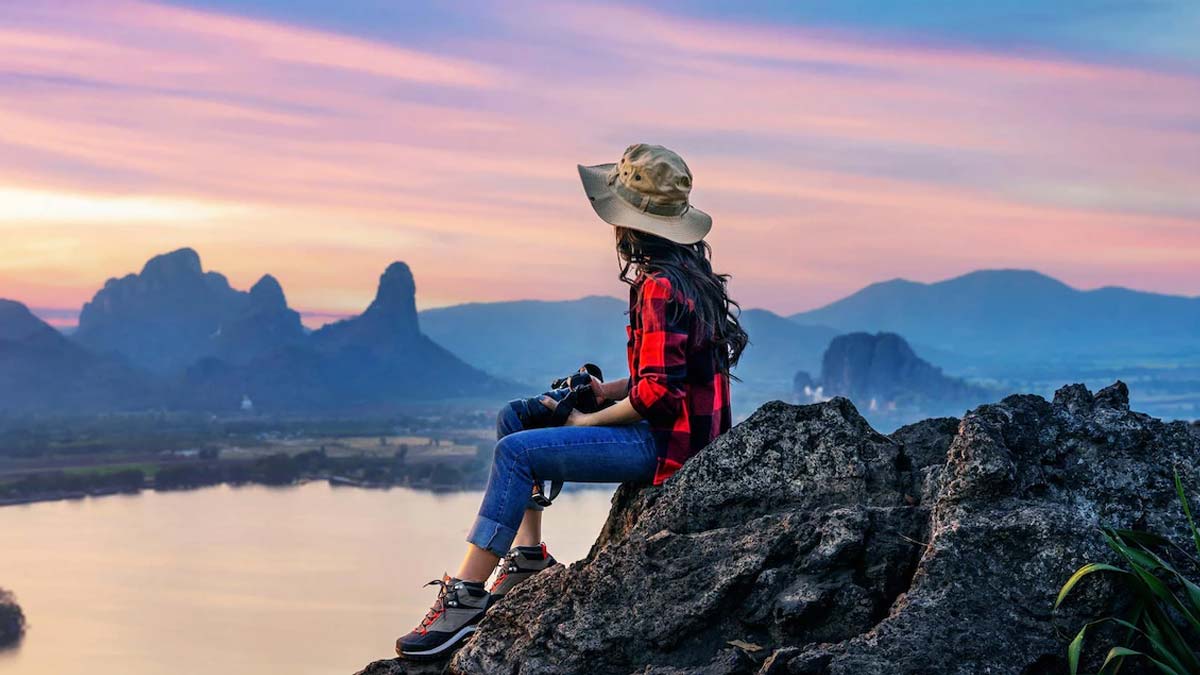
[245, 580]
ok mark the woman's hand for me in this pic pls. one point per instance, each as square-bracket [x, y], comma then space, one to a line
[575, 419]
[598, 389]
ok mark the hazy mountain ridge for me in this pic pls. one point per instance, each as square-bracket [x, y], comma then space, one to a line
[534, 341]
[996, 318]
[41, 369]
[213, 343]
[198, 343]
[162, 318]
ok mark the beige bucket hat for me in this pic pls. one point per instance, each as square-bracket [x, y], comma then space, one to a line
[647, 191]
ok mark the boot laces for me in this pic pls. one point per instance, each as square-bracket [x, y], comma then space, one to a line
[439, 605]
[507, 564]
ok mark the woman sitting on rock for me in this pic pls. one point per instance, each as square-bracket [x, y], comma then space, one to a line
[684, 337]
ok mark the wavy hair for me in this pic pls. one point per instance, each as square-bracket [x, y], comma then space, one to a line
[689, 269]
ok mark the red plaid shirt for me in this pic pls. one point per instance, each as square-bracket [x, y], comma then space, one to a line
[675, 381]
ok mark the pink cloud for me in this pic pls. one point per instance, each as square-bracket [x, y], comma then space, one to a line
[830, 161]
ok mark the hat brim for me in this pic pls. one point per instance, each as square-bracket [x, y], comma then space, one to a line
[687, 228]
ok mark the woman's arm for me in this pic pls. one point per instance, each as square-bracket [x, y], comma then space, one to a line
[618, 414]
[613, 390]
[615, 415]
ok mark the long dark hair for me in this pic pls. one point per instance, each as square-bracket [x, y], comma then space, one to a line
[689, 269]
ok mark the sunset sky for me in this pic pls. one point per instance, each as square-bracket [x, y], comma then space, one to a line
[835, 143]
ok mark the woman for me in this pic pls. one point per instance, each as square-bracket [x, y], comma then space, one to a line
[684, 337]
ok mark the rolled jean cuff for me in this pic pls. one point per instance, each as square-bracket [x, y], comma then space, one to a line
[533, 506]
[491, 536]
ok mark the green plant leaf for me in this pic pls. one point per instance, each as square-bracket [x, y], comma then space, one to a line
[1119, 652]
[1160, 590]
[1165, 651]
[1142, 537]
[1081, 573]
[1074, 649]
[1187, 510]
[1165, 637]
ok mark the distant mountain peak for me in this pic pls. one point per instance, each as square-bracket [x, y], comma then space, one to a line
[17, 322]
[177, 263]
[268, 294]
[396, 285]
[396, 298]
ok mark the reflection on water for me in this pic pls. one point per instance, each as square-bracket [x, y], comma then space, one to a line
[250, 580]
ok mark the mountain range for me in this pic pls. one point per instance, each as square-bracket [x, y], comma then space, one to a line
[42, 370]
[994, 320]
[179, 336]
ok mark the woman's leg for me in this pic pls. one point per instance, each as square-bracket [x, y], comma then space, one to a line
[586, 454]
[530, 532]
[583, 454]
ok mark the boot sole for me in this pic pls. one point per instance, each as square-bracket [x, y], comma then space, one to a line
[440, 650]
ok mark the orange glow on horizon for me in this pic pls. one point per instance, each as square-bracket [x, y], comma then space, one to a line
[829, 162]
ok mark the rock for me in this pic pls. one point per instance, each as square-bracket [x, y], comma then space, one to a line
[840, 551]
[164, 318]
[402, 667]
[390, 319]
[12, 620]
[365, 362]
[264, 324]
[882, 374]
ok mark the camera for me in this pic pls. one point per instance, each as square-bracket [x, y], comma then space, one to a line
[573, 392]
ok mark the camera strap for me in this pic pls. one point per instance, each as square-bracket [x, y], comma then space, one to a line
[541, 499]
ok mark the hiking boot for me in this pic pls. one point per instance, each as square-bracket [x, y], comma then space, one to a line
[454, 615]
[521, 563]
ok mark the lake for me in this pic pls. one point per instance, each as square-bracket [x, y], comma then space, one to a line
[241, 580]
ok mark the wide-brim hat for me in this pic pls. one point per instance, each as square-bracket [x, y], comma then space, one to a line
[647, 190]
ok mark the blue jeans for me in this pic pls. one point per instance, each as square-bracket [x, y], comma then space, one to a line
[582, 454]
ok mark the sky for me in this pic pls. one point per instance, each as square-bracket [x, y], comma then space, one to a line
[835, 143]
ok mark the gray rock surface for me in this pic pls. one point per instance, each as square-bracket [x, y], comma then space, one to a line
[805, 542]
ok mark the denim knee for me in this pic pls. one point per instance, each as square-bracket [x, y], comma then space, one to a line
[508, 450]
[507, 421]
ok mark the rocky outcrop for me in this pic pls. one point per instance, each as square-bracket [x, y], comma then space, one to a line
[805, 542]
[264, 324]
[372, 360]
[12, 620]
[883, 375]
[163, 318]
[390, 319]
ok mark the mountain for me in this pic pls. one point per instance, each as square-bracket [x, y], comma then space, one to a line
[41, 370]
[1002, 318]
[378, 358]
[173, 314]
[264, 323]
[803, 541]
[389, 322]
[883, 376]
[534, 341]
[778, 348]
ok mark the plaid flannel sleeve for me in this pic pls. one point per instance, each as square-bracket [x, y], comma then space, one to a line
[658, 392]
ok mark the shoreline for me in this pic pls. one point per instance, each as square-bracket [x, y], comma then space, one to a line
[332, 481]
